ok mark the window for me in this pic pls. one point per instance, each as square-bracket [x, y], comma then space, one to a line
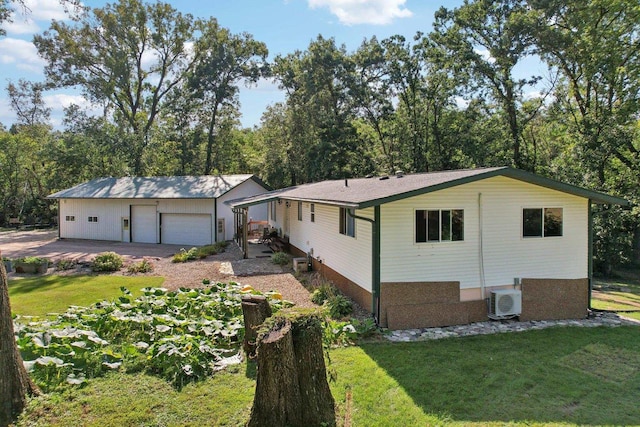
[313, 212]
[299, 211]
[273, 211]
[541, 222]
[347, 223]
[93, 219]
[70, 218]
[439, 225]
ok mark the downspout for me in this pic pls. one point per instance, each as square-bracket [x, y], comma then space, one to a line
[589, 252]
[245, 234]
[375, 259]
[59, 219]
[215, 220]
[481, 247]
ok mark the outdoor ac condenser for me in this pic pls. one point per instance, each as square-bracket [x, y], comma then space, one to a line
[505, 303]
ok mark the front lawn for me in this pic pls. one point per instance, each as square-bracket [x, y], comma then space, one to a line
[41, 295]
[555, 376]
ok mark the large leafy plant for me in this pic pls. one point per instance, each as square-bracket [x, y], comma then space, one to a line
[181, 336]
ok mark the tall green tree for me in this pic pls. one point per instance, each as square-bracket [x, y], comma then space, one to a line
[488, 39]
[595, 45]
[224, 60]
[129, 56]
[322, 110]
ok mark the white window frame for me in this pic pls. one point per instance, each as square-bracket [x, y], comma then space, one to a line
[347, 223]
[426, 225]
[543, 227]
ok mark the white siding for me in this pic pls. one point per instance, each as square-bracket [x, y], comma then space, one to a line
[349, 256]
[186, 229]
[109, 213]
[246, 189]
[506, 253]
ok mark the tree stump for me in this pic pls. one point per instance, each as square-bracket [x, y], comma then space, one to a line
[15, 383]
[291, 385]
[255, 309]
[317, 402]
[277, 398]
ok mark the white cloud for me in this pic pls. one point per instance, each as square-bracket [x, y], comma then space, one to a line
[376, 12]
[461, 103]
[45, 10]
[20, 54]
[24, 20]
[486, 55]
[20, 25]
[59, 101]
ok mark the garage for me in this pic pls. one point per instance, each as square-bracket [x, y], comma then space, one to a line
[186, 229]
[143, 223]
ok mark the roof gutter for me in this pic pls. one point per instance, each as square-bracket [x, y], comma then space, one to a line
[375, 259]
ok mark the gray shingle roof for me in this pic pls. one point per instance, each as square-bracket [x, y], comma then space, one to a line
[161, 187]
[365, 192]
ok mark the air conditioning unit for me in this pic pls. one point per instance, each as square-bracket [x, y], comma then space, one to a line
[505, 303]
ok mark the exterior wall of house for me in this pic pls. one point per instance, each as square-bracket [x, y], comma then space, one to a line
[110, 213]
[502, 254]
[246, 189]
[349, 257]
[553, 270]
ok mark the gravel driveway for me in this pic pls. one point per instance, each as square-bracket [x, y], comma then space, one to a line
[225, 267]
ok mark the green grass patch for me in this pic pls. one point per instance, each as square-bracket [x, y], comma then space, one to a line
[41, 295]
[119, 400]
[604, 362]
[567, 376]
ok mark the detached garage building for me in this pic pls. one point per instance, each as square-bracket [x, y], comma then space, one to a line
[182, 210]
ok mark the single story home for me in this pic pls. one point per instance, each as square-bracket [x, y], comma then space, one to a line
[445, 248]
[183, 210]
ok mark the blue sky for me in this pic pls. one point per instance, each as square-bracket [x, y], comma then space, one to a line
[284, 25]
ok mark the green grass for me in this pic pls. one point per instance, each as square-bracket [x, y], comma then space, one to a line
[622, 294]
[557, 376]
[38, 296]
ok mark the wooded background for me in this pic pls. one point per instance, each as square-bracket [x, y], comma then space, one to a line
[446, 99]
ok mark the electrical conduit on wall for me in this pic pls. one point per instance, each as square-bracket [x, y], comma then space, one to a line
[480, 247]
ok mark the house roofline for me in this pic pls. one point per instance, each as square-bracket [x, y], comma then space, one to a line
[520, 175]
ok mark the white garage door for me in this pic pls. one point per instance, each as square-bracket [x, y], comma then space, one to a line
[143, 224]
[186, 229]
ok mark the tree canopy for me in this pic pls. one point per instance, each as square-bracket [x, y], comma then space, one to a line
[453, 97]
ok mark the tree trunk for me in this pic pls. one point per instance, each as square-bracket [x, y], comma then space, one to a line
[317, 402]
[255, 309]
[277, 398]
[291, 387]
[15, 383]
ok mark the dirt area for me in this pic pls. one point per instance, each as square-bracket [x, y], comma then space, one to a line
[228, 266]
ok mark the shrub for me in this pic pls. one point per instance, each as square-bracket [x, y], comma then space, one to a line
[322, 293]
[206, 281]
[32, 260]
[280, 258]
[144, 266]
[339, 306]
[186, 255]
[214, 249]
[107, 261]
[66, 264]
